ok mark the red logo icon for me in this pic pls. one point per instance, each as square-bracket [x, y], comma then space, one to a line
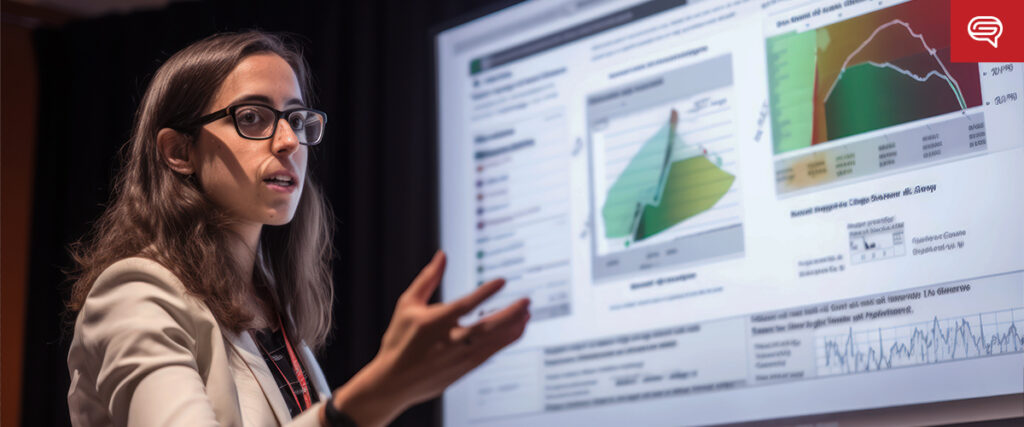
[986, 30]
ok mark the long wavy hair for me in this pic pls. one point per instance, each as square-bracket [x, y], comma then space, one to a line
[159, 214]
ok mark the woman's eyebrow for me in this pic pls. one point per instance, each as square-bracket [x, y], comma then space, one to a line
[266, 100]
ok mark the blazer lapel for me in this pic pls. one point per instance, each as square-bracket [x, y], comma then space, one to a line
[319, 382]
[250, 354]
[316, 375]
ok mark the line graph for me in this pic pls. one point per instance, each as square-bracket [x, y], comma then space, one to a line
[936, 341]
[870, 72]
[952, 83]
[945, 76]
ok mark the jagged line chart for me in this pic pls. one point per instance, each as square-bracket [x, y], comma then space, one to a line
[936, 341]
[945, 75]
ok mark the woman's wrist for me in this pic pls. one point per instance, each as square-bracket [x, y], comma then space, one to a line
[331, 416]
[365, 400]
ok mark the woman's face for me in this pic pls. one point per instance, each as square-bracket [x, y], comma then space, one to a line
[242, 175]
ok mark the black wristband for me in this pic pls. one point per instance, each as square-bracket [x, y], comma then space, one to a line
[336, 418]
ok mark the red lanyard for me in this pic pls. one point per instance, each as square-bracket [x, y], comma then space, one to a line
[296, 366]
[299, 376]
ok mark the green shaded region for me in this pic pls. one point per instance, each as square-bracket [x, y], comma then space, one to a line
[636, 186]
[869, 97]
[694, 185]
[791, 72]
[660, 188]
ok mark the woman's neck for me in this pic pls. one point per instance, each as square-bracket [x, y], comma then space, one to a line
[244, 251]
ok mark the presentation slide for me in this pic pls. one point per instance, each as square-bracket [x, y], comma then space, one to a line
[728, 211]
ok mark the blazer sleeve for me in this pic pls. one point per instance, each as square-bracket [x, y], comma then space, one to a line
[139, 332]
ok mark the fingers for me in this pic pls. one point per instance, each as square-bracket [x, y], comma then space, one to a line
[472, 346]
[464, 305]
[425, 283]
[507, 323]
[492, 334]
[426, 366]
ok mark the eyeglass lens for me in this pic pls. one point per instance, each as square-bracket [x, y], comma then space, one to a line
[256, 121]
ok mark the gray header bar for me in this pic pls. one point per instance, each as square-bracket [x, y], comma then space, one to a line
[572, 34]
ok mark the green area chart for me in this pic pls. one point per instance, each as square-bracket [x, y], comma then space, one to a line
[665, 183]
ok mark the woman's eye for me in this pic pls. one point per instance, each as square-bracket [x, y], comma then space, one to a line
[297, 122]
[247, 117]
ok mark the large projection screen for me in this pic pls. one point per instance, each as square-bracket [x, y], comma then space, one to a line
[733, 211]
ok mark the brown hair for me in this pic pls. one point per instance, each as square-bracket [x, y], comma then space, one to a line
[159, 214]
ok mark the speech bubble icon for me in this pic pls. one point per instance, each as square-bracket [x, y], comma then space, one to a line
[985, 29]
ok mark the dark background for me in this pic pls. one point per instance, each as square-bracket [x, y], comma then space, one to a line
[372, 63]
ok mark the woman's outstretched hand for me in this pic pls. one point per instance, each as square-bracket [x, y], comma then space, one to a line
[425, 349]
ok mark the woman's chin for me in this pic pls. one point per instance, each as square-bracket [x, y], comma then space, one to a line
[279, 222]
[279, 217]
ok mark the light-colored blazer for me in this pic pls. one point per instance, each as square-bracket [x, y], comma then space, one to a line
[146, 354]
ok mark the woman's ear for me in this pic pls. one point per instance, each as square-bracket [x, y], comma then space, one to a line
[174, 148]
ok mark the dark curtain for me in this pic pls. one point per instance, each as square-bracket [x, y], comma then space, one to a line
[372, 61]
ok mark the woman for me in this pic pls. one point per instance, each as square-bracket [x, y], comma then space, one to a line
[209, 273]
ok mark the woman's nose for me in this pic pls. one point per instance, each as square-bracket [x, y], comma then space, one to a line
[285, 140]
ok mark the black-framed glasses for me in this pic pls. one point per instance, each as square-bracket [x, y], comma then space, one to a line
[259, 121]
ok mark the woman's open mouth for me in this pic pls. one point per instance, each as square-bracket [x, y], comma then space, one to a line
[280, 183]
